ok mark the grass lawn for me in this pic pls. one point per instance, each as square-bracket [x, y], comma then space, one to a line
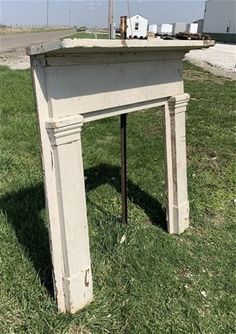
[90, 35]
[151, 282]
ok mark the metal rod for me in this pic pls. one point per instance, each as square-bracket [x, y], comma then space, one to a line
[123, 149]
[123, 144]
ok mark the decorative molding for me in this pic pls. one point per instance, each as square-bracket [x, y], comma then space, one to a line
[82, 286]
[178, 205]
[178, 103]
[180, 218]
[64, 130]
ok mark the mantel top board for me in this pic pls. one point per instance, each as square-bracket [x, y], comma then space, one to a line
[106, 45]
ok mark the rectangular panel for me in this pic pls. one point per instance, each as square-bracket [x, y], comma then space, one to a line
[79, 89]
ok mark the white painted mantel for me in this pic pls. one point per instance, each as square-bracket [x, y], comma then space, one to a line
[78, 81]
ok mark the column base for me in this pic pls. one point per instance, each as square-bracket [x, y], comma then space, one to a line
[78, 291]
[180, 219]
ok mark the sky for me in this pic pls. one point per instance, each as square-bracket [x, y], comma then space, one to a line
[94, 12]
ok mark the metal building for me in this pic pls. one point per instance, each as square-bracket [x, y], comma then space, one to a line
[220, 20]
[165, 29]
[152, 28]
[179, 27]
[192, 28]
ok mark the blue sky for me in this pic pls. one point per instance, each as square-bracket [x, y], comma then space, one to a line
[94, 12]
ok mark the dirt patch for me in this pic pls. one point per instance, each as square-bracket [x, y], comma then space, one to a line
[12, 46]
[15, 60]
[192, 75]
[14, 30]
[77, 330]
[219, 60]
[220, 72]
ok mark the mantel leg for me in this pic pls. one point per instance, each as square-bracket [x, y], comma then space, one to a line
[68, 222]
[176, 164]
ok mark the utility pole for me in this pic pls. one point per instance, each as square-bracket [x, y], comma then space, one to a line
[111, 24]
[47, 12]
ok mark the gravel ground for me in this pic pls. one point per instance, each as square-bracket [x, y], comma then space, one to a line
[17, 60]
[12, 46]
[220, 59]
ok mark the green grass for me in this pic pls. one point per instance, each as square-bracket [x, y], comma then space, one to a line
[90, 35]
[152, 282]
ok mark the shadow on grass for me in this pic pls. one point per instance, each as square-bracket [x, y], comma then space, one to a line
[104, 173]
[24, 212]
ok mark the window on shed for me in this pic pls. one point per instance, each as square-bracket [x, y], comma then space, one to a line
[136, 25]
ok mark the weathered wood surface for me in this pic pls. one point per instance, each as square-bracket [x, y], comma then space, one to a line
[82, 81]
[103, 46]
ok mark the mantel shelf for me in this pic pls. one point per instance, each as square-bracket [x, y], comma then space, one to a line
[106, 45]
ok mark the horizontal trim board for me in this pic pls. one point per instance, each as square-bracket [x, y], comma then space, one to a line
[105, 45]
[97, 58]
[93, 116]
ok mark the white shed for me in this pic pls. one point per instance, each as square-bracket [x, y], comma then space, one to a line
[200, 24]
[152, 28]
[165, 29]
[179, 27]
[220, 20]
[137, 26]
[192, 28]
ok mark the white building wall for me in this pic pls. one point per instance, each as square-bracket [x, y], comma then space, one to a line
[200, 26]
[192, 28]
[137, 26]
[165, 29]
[220, 16]
[152, 28]
[179, 27]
